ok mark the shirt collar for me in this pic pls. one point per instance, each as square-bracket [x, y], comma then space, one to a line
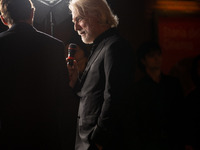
[105, 34]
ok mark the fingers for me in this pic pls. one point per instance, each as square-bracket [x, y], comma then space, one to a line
[75, 65]
[99, 147]
[73, 73]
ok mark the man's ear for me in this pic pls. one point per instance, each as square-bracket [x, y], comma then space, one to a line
[32, 14]
[3, 20]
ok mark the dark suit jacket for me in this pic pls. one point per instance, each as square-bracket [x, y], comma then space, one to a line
[104, 91]
[34, 87]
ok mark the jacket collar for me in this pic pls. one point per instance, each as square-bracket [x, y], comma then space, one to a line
[104, 35]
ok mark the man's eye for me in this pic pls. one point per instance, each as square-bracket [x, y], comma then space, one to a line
[79, 19]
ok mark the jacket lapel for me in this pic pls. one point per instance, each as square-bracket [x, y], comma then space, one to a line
[91, 60]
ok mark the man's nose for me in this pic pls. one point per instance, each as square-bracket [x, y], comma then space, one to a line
[76, 26]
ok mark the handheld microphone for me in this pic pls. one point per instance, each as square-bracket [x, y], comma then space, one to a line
[71, 53]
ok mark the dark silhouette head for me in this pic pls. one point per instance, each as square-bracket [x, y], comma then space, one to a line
[145, 49]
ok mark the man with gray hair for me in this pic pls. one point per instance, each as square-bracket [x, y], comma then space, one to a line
[33, 82]
[104, 86]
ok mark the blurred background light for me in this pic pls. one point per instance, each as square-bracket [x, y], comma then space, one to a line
[177, 5]
[50, 13]
[50, 3]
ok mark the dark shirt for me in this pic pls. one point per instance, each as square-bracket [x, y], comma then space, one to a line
[191, 119]
[156, 106]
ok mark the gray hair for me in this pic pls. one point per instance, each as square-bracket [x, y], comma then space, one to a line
[98, 8]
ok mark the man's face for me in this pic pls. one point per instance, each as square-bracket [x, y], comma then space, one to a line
[87, 27]
[153, 60]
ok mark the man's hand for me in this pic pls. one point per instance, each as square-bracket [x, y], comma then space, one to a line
[99, 147]
[73, 73]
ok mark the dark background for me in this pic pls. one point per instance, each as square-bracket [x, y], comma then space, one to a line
[133, 16]
[139, 21]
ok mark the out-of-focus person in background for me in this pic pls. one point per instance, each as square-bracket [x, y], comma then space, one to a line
[157, 100]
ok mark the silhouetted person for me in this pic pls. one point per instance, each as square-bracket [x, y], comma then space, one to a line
[33, 81]
[191, 110]
[156, 102]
